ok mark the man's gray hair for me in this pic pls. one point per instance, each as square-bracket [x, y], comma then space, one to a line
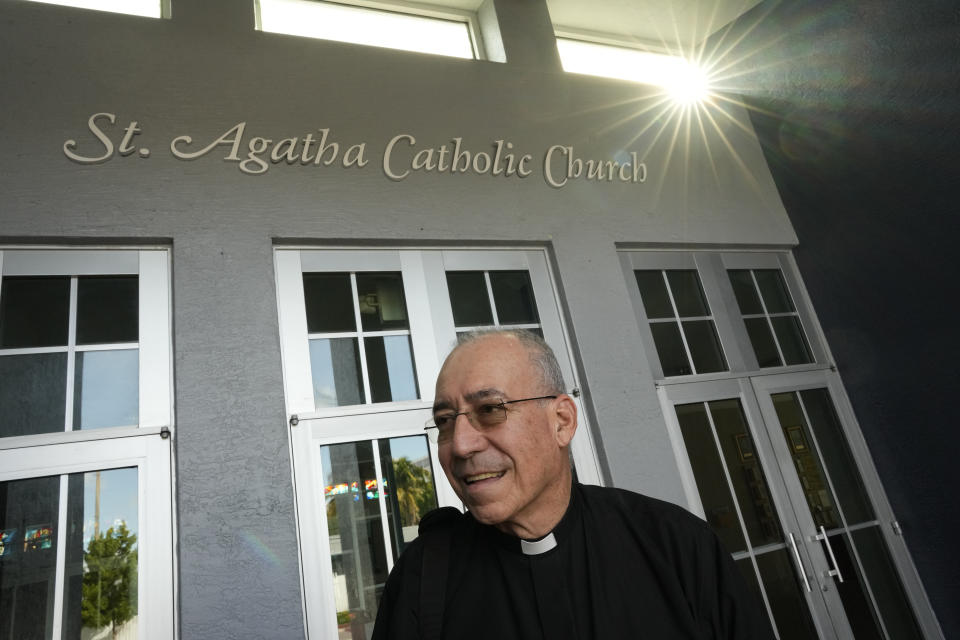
[540, 353]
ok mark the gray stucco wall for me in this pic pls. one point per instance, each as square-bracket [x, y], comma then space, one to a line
[205, 70]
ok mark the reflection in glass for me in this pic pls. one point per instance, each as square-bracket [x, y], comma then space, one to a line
[107, 309]
[780, 581]
[687, 293]
[653, 292]
[32, 394]
[336, 373]
[357, 550]
[34, 311]
[836, 454]
[390, 367]
[513, 296]
[107, 389]
[469, 299]
[673, 357]
[762, 340]
[329, 302]
[746, 473]
[29, 526]
[816, 490]
[774, 291]
[746, 293]
[704, 346]
[793, 343]
[382, 305]
[406, 464]
[102, 562]
[712, 485]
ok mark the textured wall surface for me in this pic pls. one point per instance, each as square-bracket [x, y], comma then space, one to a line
[860, 123]
[205, 70]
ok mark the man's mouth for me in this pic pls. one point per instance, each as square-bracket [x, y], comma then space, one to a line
[482, 476]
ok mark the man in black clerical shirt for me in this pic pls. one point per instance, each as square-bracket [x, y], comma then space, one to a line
[538, 556]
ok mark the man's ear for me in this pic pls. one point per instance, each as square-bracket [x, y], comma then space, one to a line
[565, 419]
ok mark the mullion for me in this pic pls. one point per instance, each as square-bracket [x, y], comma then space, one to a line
[677, 319]
[766, 315]
[71, 357]
[362, 350]
[490, 299]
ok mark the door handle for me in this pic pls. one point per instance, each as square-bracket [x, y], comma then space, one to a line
[799, 562]
[833, 559]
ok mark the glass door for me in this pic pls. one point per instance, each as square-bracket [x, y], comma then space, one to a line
[837, 515]
[769, 465]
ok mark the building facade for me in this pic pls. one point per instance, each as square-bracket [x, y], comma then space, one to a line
[233, 261]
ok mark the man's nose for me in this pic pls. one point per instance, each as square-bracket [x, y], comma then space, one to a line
[466, 439]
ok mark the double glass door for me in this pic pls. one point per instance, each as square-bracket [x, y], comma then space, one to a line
[773, 470]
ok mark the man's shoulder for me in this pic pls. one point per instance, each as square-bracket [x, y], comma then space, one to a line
[651, 514]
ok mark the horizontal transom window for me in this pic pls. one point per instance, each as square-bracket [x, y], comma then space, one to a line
[364, 25]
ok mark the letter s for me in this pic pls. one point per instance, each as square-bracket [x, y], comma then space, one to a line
[101, 136]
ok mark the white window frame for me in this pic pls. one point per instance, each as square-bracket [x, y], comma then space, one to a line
[412, 9]
[751, 385]
[146, 445]
[433, 335]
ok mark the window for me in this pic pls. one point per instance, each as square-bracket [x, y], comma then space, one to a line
[445, 33]
[680, 321]
[146, 8]
[363, 335]
[683, 80]
[85, 418]
[770, 317]
[768, 448]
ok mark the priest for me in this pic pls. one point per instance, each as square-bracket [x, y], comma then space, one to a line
[537, 555]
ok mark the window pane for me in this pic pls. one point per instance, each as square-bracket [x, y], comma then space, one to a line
[708, 473]
[102, 555]
[653, 291]
[745, 292]
[789, 607]
[32, 394]
[107, 389]
[329, 302]
[469, 299]
[856, 603]
[406, 464]
[513, 295]
[687, 293]
[391, 370]
[29, 513]
[885, 583]
[837, 456]
[34, 311]
[791, 339]
[817, 491]
[762, 340]
[746, 473]
[107, 309]
[357, 550]
[774, 290]
[704, 346]
[382, 306]
[335, 367]
[673, 358]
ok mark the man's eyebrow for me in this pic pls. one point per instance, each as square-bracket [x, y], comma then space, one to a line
[472, 397]
[484, 394]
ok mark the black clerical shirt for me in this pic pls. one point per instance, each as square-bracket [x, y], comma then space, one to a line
[618, 565]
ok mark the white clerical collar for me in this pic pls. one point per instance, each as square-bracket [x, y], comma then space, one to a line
[537, 547]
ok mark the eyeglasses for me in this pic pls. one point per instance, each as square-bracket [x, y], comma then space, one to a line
[440, 427]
